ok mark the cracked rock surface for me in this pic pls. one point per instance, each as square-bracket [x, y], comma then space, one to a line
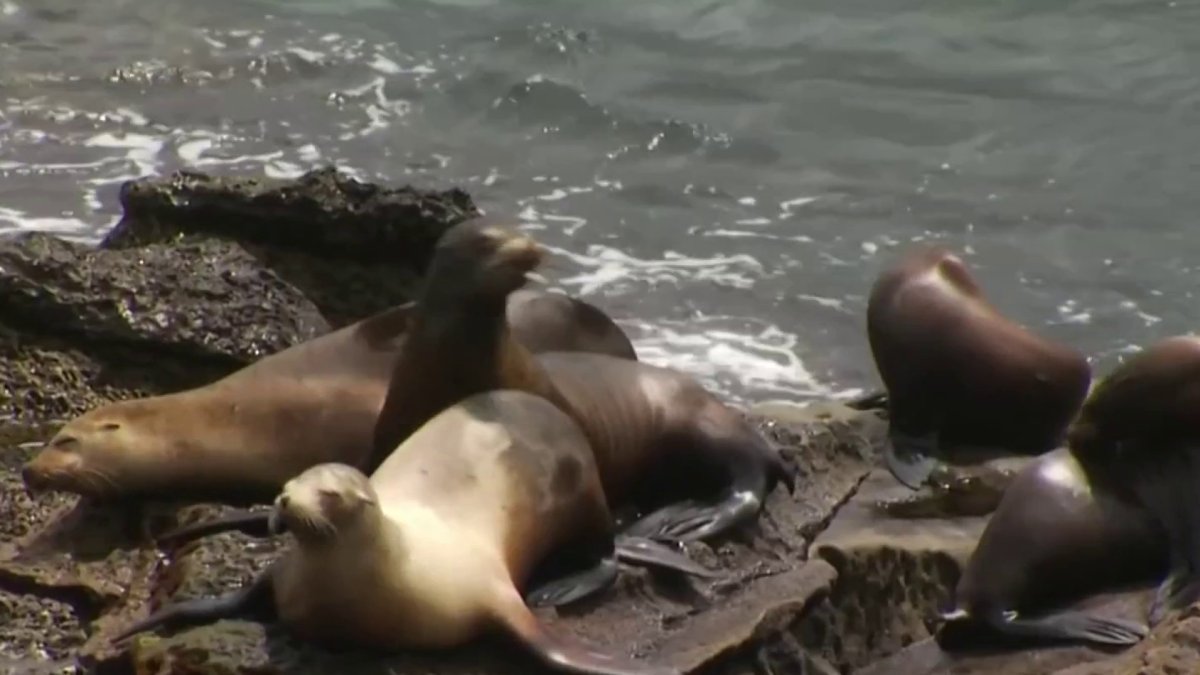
[205, 274]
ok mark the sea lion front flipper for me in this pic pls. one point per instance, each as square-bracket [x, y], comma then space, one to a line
[694, 521]
[253, 599]
[876, 400]
[650, 553]
[253, 523]
[911, 459]
[562, 652]
[1179, 590]
[575, 586]
[1073, 626]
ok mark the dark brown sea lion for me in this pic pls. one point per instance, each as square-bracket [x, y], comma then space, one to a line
[437, 546]
[1142, 422]
[958, 372]
[240, 438]
[1060, 533]
[658, 435]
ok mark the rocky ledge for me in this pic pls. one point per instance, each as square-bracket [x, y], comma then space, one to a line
[205, 274]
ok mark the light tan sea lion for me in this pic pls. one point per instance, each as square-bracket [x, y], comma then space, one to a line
[960, 373]
[436, 547]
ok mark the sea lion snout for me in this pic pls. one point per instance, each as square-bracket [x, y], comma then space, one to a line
[35, 481]
[520, 251]
[51, 469]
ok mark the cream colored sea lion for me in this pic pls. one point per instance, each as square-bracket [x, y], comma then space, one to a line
[958, 372]
[661, 439]
[1142, 423]
[240, 438]
[436, 547]
[1060, 533]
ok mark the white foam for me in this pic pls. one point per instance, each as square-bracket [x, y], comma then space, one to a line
[759, 359]
[15, 220]
[605, 265]
[790, 204]
[385, 65]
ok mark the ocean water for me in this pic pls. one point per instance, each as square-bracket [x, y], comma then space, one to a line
[726, 178]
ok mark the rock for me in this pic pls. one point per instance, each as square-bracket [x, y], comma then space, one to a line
[80, 326]
[354, 248]
[159, 297]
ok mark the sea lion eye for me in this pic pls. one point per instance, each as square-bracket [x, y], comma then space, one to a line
[64, 441]
[329, 495]
[111, 426]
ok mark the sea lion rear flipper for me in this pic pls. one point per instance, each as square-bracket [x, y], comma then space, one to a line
[911, 459]
[575, 586]
[649, 553]
[253, 523]
[1073, 626]
[561, 652]
[250, 600]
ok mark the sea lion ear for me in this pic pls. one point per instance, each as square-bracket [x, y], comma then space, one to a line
[365, 497]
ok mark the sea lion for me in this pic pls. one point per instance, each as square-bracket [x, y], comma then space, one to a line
[1142, 422]
[958, 372]
[240, 438]
[657, 433]
[437, 545]
[1052, 540]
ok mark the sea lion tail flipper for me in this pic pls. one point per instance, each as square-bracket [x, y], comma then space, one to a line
[562, 652]
[252, 599]
[650, 553]
[1074, 626]
[253, 523]
[575, 586]
[911, 459]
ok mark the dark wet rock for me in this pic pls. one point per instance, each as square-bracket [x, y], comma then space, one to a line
[159, 297]
[354, 248]
[80, 326]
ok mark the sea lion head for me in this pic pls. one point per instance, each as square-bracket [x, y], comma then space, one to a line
[98, 454]
[324, 502]
[485, 256]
